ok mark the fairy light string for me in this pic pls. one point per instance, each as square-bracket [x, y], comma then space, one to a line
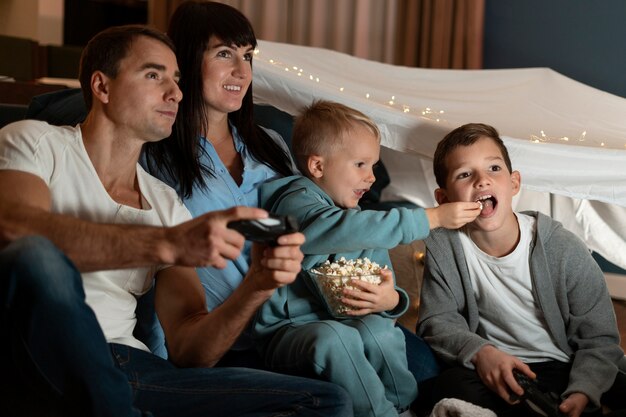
[426, 113]
[431, 114]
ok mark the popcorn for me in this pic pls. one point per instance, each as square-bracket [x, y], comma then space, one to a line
[332, 277]
[352, 267]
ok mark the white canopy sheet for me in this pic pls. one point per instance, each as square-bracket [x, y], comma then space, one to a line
[568, 140]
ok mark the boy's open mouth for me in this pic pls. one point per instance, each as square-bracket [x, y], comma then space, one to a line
[488, 204]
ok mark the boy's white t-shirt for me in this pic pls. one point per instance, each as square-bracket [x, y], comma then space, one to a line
[57, 156]
[509, 315]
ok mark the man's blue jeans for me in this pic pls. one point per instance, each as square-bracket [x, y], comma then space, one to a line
[56, 361]
[156, 382]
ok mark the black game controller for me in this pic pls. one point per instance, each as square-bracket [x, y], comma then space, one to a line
[541, 402]
[265, 230]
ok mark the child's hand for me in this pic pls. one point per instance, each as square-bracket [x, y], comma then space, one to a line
[574, 405]
[453, 215]
[371, 298]
[495, 369]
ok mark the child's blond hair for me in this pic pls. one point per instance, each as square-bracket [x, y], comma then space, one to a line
[320, 127]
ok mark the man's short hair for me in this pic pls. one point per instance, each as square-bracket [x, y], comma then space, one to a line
[465, 135]
[320, 127]
[105, 51]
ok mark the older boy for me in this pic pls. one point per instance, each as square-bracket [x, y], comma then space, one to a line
[107, 228]
[513, 291]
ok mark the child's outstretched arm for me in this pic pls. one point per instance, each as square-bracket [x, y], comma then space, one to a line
[453, 215]
[371, 298]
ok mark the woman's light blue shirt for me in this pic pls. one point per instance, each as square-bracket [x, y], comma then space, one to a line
[222, 192]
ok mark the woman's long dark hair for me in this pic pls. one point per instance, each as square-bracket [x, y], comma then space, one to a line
[178, 157]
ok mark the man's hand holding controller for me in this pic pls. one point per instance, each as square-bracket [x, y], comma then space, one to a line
[266, 230]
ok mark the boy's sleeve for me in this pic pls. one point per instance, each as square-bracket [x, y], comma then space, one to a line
[591, 325]
[401, 308]
[331, 229]
[444, 316]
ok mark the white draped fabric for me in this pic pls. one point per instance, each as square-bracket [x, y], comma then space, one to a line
[568, 140]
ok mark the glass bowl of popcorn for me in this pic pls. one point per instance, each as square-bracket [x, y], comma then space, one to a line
[330, 279]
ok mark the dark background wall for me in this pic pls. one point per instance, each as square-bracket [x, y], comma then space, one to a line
[582, 39]
[85, 18]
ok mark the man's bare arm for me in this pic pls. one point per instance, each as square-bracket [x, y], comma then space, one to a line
[25, 204]
[197, 337]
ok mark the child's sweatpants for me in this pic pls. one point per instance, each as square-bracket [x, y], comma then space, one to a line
[365, 355]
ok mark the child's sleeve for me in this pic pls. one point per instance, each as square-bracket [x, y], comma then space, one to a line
[444, 321]
[401, 308]
[331, 229]
[590, 322]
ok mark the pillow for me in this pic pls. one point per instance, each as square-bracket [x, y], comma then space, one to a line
[59, 108]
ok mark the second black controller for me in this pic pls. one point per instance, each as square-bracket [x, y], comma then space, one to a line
[543, 403]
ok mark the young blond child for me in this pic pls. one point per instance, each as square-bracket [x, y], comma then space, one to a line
[336, 148]
[513, 291]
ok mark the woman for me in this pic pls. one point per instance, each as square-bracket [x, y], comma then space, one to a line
[217, 155]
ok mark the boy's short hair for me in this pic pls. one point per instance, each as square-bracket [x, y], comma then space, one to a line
[320, 127]
[106, 49]
[465, 135]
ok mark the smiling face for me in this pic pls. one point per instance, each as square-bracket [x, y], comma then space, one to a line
[142, 100]
[346, 171]
[478, 172]
[226, 75]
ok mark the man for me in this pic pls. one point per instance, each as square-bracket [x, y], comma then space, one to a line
[105, 229]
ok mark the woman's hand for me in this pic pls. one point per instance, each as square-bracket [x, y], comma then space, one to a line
[369, 298]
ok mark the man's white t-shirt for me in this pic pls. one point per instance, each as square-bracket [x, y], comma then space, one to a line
[57, 155]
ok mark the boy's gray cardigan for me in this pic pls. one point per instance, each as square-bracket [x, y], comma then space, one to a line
[568, 286]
